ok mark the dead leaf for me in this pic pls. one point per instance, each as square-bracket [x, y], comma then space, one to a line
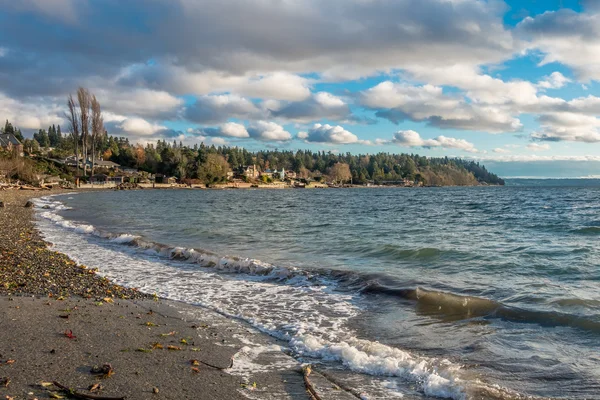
[69, 334]
[171, 347]
[195, 362]
[54, 395]
[46, 384]
[95, 387]
[196, 370]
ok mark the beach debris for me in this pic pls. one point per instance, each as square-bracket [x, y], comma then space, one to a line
[96, 387]
[54, 395]
[5, 381]
[306, 371]
[195, 362]
[144, 350]
[157, 346]
[196, 370]
[171, 347]
[8, 362]
[77, 395]
[69, 334]
[106, 370]
[66, 316]
[214, 366]
[252, 386]
[155, 390]
[150, 324]
[172, 333]
[46, 384]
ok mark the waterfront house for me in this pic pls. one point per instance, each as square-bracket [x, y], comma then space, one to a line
[8, 142]
[268, 173]
[99, 179]
[107, 165]
[247, 171]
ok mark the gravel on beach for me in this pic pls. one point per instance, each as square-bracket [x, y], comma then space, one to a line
[29, 267]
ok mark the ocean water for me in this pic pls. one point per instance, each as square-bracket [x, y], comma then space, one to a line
[460, 293]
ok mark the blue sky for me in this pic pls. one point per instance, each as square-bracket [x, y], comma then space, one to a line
[512, 83]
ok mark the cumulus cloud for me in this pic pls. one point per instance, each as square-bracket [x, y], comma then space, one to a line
[567, 37]
[400, 101]
[268, 131]
[139, 127]
[320, 133]
[30, 115]
[556, 80]
[220, 108]
[321, 105]
[568, 126]
[140, 102]
[410, 138]
[230, 129]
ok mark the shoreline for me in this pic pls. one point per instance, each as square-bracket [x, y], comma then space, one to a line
[157, 348]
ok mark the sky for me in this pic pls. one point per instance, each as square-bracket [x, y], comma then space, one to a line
[515, 83]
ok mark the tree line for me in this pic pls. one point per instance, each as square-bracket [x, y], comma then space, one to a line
[210, 164]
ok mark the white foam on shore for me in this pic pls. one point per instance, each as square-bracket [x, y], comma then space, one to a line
[311, 315]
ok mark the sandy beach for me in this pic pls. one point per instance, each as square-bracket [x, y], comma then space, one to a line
[65, 326]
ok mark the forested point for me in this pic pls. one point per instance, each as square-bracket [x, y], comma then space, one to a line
[185, 162]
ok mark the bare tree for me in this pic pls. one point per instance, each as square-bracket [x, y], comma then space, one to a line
[97, 128]
[83, 97]
[73, 118]
[340, 173]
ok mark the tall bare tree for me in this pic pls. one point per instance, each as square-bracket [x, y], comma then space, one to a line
[83, 97]
[73, 118]
[97, 128]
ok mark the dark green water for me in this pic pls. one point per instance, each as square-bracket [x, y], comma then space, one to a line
[435, 292]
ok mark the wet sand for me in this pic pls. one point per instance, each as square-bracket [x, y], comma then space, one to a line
[60, 321]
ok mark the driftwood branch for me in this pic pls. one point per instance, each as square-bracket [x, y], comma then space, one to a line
[215, 367]
[311, 390]
[83, 396]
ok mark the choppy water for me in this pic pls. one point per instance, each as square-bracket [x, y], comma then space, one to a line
[461, 293]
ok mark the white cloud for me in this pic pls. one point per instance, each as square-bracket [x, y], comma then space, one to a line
[567, 37]
[428, 103]
[138, 101]
[410, 138]
[229, 129]
[220, 108]
[139, 127]
[538, 146]
[31, 115]
[268, 131]
[321, 105]
[320, 133]
[556, 80]
[501, 150]
[568, 126]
